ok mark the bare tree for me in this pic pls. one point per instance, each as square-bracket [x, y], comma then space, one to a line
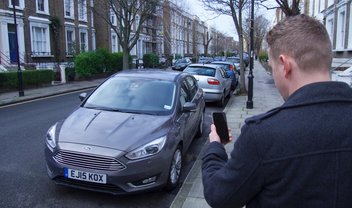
[206, 42]
[261, 26]
[127, 13]
[288, 7]
[233, 8]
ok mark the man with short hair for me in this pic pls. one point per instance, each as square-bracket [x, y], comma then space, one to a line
[298, 154]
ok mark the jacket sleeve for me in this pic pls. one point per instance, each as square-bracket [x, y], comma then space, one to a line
[232, 182]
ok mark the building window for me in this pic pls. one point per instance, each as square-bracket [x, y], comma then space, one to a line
[69, 9]
[82, 10]
[83, 41]
[341, 25]
[40, 41]
[330, 27]
[113, 18]
[114, 46]
[42, 6]
[70, 41]
[19, 4]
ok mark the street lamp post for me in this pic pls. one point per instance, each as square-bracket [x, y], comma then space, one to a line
[251, 61]
[19, 72]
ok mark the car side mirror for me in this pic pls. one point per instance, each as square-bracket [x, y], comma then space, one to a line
[188, 106]
[82, 96]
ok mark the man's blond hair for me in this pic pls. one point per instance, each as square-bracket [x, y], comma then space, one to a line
[303, 38]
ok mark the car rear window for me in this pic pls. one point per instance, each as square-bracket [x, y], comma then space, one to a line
[204, 71]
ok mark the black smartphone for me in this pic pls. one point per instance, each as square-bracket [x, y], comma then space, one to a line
[220, 122]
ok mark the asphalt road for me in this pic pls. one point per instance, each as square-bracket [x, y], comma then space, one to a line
[23, 178]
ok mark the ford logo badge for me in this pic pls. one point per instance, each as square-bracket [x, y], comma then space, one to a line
[87, 148]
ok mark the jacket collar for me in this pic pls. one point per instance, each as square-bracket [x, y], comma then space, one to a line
[319, 92]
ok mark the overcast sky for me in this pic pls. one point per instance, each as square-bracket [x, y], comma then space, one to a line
[223, 23]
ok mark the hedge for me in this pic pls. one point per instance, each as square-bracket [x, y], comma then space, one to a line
[30, 78]
[150, 60]
[101, 62]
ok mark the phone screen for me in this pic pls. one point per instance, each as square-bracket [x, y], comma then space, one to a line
[219, 119]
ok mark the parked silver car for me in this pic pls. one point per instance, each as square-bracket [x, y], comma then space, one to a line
[214, 81]
[129, 134]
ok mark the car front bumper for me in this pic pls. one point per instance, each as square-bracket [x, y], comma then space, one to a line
[135, 175]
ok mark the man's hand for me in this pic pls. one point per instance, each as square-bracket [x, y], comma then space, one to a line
[214, 137]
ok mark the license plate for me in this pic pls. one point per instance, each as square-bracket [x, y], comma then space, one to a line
[85, 176]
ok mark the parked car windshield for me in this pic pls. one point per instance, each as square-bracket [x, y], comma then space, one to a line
[233, 59]
[204, 71]
[179, 61]
[134, 95]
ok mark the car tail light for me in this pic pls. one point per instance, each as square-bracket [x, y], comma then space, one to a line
[213, 81]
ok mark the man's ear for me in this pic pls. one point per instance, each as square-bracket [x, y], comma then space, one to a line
[287, 65]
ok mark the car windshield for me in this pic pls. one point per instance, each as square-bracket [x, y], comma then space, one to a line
[235, 60]
[181, 61]
[204, 71]
[224, 66]
[133, 95]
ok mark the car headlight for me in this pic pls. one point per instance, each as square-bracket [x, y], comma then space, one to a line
[50, 137]
[147, 150]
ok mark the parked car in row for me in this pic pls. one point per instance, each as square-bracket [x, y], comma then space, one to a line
[214, 81]
[343, 76]
[129, 135]
[205, 60]
[230, 70]
[236, 61]
[181, 64]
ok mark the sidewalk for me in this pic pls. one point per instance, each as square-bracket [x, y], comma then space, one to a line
[30, 94]
[265, 97]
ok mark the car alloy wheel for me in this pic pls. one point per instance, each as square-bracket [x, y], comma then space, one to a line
[175, 169]
[221, 102]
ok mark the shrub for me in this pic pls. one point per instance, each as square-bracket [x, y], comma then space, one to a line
[30, 78]
[116, 61]
[88, 64]
[150, 60]
[263, 56]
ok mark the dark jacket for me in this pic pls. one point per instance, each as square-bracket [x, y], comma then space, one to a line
[297, 155]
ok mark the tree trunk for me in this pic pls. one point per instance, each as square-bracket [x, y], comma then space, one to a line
[126, 64]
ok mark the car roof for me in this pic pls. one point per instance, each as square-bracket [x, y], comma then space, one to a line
[222, 62]
[206, 65]
[159, 74]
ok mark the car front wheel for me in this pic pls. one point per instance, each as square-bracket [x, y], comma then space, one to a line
[200, 127]
[175, 169]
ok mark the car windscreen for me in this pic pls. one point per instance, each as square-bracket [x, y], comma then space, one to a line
[203, 71]
[235, 60]
[134, 95]
[181, 61]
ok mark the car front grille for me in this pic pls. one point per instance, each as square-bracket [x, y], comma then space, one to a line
[95, 162]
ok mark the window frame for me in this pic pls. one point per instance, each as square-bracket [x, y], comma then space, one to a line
[82, 8]
[36, 22]
[71, 29]
[46, 7]
[83, 31]
[72, 11]
[20, 4]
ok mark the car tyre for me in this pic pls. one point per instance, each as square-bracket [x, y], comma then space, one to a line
[175, 169]
[200, 128]
[221, 102]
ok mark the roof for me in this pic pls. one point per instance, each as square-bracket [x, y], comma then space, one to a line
[160, 74]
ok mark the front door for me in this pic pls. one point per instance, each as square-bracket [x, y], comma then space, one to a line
[12, 47]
